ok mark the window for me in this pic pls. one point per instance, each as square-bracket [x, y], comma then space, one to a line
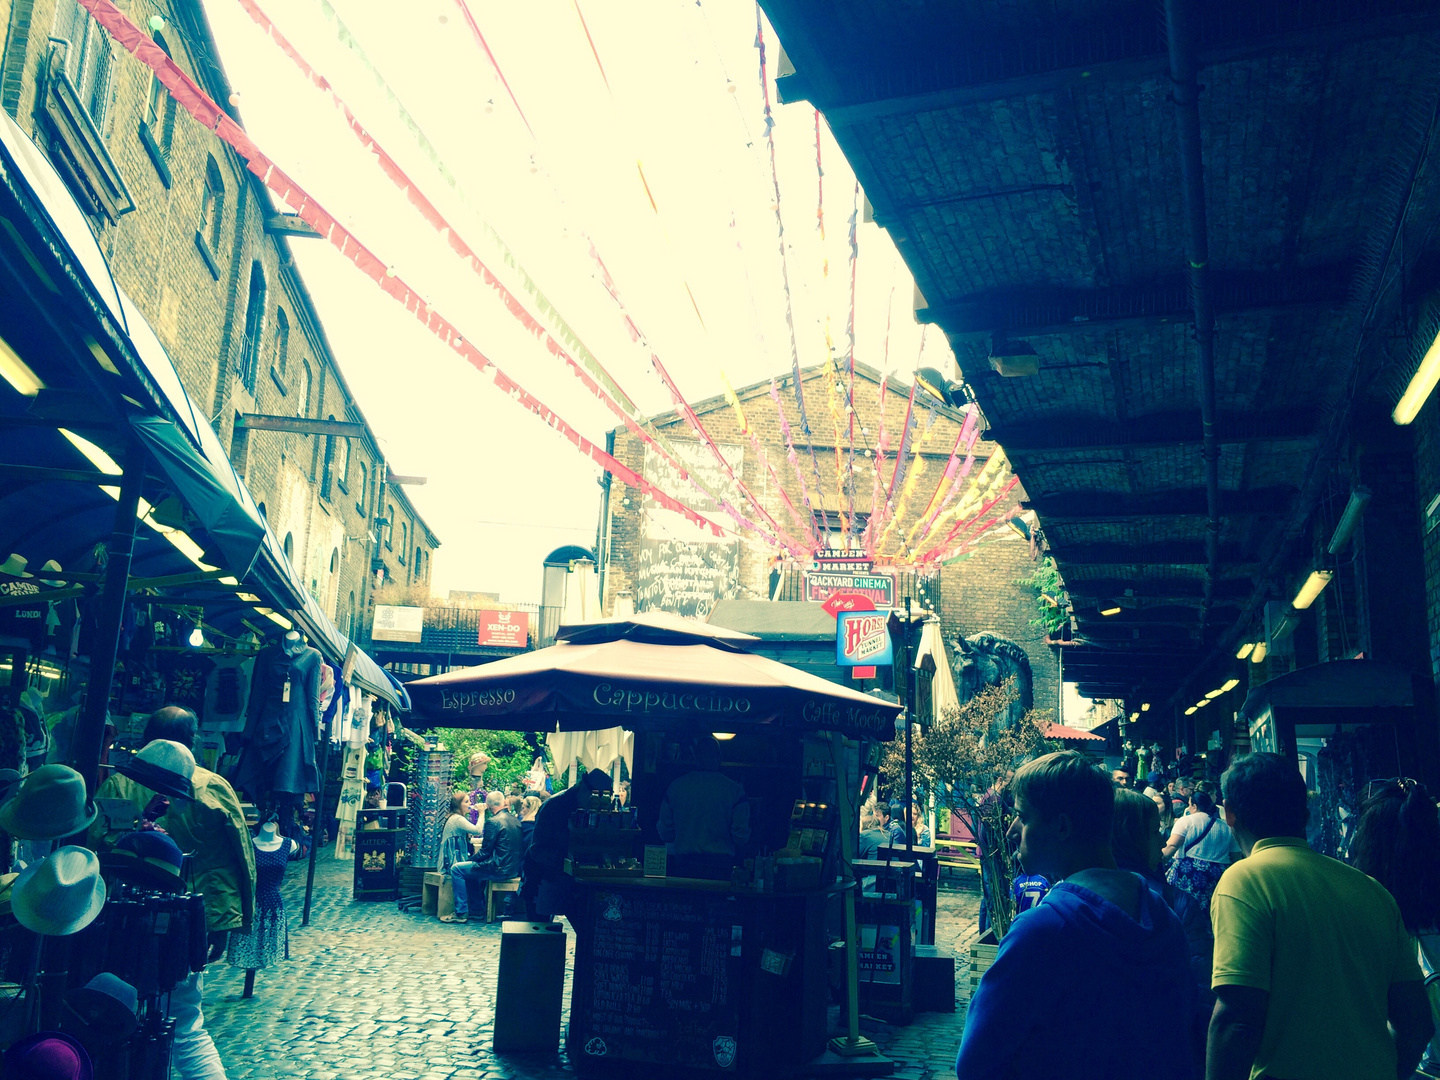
[290, 548]
[404, 539]
[418, 572]
[328, 472]
[87, 58]
[212, 207]
[280, 350]
[254, 328]
[350, 618]
[334, 560]
[261, 508]
[342, 473]
[362, 495]
[389, 525]
[160, 112]
[302, 400]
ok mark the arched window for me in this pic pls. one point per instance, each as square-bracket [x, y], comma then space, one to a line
[254, 327]
[328, 472]
[280, 353]
[160, 110]
[302, 399]
[261, 508]
[404, 539]
[212, 207]
[289, 546]
[362, 495]
[350, 618]
[390, 525]
[342, 468]
[419, 569]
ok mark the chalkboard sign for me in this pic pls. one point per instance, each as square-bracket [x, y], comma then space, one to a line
[680, 568]
[657, 979]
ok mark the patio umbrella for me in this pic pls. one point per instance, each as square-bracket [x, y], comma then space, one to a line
[643, 674]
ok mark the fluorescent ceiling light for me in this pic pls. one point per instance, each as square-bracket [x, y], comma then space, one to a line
[723, 736]
[1313, 587]
[1230, 684]
[1190, 711]
[17, 373]
[1145, 707]
[97, 457]
[1212, 694]
[1244, 650]
[1202, 703]
[1345, 528]
[1421, 383]
[1259, 653]
[1111, 610]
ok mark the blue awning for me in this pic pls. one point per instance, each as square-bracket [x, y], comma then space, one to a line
[55, 264]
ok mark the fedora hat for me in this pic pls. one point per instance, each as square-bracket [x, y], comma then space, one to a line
[48, 1055]
[15, 565]
[162, 766]
[50, 804]
[7, 886]
[61, 895]
[103, 1010]
[149, 858]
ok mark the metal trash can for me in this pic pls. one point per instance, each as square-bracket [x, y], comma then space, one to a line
[531, 988]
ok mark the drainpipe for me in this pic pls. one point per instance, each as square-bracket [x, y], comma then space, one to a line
[602, 529]
[1180, 25]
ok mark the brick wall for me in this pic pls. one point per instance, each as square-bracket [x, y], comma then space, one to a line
[976, 594]
[191, 278]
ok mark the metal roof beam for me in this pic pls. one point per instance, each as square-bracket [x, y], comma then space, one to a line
[1119, 506]
[1045, 311]
[1156, 430]
[1018, 60]
[1157, 589]
[1170, 553]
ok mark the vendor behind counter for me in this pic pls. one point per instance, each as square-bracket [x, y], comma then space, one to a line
[705, 815]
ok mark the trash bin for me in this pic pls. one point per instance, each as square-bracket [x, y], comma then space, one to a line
[531, 988]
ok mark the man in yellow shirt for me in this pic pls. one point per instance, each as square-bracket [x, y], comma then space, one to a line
[1314, 974]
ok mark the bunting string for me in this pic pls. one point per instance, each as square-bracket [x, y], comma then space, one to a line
[881, 445]
[850, 353]
[793, 457]
[785, 268]
[915, 469]
[807, 528]
[199, 105]
[944, 491]
[589, 369]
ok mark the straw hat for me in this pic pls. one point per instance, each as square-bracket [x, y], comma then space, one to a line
[162, 766]
[103, 1010]
[148, 858]
[61, 895]
[50, 804]
[48, 1055]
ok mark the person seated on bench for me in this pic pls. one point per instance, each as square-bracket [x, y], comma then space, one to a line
[501, 848]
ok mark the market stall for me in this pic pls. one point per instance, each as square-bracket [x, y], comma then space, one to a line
[1346, 722]
[713, 970]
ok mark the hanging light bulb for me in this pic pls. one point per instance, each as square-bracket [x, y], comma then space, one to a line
[157, 23]
[197, 636]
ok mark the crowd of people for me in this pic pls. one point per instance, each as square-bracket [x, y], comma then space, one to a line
[1249, 955]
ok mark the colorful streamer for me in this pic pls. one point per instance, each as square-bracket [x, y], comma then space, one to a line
[806, 527]
[494, 64]
[195, 101]
[589, 369]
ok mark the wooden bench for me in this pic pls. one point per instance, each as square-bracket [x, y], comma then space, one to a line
[511, 886]
[957, 855]
[437, 896]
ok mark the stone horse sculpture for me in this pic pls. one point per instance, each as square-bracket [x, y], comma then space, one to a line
[987, 659]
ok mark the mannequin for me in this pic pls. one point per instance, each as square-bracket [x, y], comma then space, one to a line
[268, 939]
[282, 718]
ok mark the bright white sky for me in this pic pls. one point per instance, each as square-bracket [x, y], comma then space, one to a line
[683, 103]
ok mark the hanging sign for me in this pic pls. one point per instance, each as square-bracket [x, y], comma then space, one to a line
[843, 561]
[862, 639]
[847, 601]
[505, 629]
[879, 589]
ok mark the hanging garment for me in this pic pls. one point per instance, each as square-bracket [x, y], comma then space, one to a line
[227, 692]
[282, 719]
[268, 939]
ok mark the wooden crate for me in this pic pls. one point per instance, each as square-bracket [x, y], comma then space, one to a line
[982, 955]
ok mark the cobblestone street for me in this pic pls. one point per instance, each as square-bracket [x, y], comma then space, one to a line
[373, 994]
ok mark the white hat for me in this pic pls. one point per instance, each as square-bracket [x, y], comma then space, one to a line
[163, 766]
[52, 565]
[15, 566]
[61, 895]
[51, 804]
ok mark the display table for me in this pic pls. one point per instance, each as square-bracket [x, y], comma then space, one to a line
[695, 975]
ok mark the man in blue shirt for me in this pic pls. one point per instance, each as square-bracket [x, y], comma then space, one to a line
[1099, 936]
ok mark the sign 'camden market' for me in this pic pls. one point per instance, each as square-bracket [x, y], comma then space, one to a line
[839, 570]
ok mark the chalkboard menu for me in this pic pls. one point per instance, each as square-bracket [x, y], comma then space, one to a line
[679, 568]
[657, 979]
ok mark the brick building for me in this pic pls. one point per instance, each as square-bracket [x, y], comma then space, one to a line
[195, 241]
[660, 562]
